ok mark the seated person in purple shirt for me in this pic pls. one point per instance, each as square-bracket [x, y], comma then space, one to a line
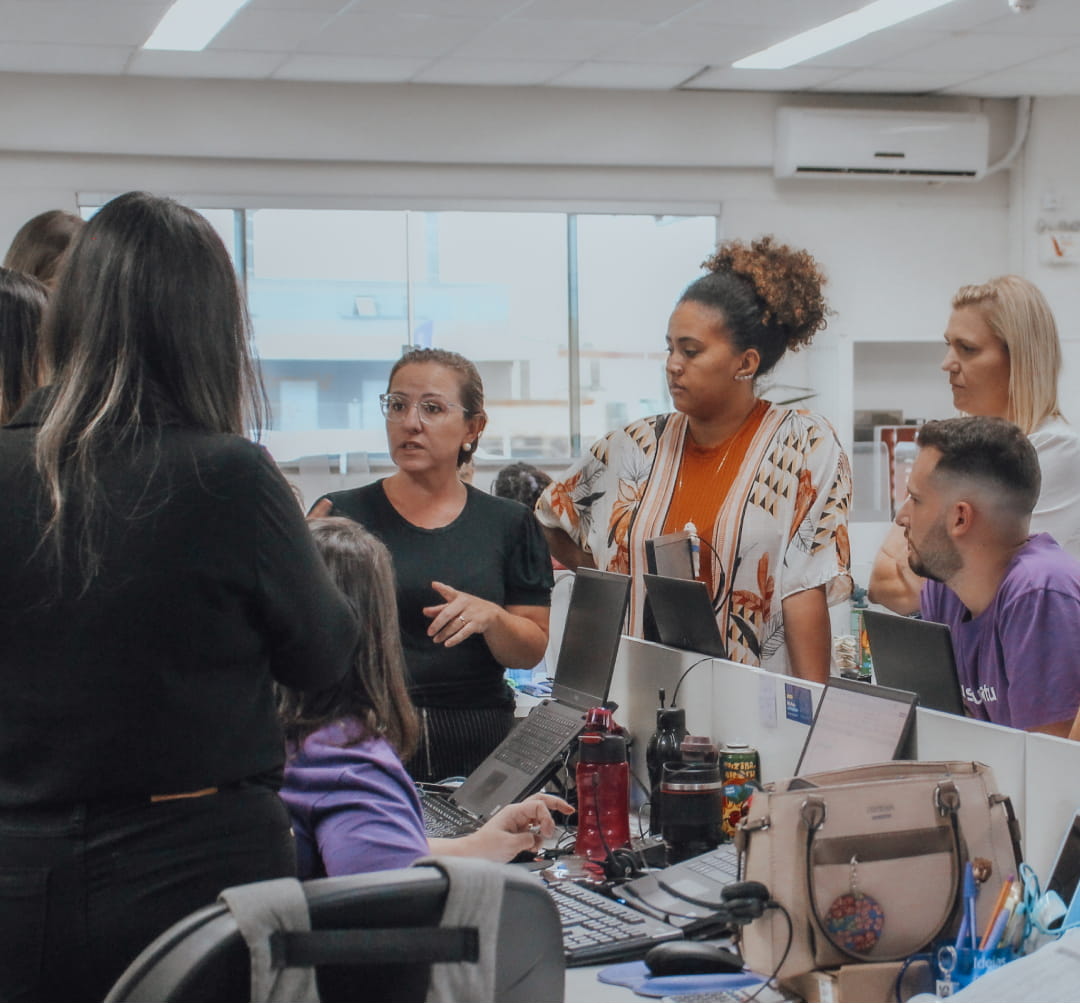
[1012, 600]
[353, 806]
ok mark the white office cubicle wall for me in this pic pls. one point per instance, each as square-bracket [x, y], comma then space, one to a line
[730, 702]
[1053, 797]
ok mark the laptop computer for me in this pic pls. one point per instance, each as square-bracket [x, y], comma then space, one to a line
[683, 615]
[529, 755]
[916, 655]
[1064, 878]
[857, 723]
[672, 555]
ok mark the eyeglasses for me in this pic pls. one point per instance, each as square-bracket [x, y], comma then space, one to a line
[432, 410]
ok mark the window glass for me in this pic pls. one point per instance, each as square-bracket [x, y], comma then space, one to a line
[493, 286]
[631, 270]
[328, 297]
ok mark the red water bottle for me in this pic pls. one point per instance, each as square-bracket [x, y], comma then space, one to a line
[603, 795]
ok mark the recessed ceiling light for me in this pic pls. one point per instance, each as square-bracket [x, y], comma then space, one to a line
[833, 34]
[189, 25]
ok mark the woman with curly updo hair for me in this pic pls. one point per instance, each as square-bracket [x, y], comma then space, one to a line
[767, 488]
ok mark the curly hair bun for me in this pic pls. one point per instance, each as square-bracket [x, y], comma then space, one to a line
[787, 280]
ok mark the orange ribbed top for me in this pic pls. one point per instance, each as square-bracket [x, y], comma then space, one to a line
[705, 477]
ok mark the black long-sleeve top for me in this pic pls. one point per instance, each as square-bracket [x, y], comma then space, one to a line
[158, 679]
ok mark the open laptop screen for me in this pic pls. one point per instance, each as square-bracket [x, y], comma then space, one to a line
[856, 723]
[590, 641]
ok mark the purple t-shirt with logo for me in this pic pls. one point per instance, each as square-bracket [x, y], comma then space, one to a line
[353, 807]
[1019, 660]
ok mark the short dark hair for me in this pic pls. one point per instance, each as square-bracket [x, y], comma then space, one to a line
[990, 450]
[521, 482]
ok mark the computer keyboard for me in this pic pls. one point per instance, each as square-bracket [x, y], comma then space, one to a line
[443, 818]
[537, 741]
[598, 930]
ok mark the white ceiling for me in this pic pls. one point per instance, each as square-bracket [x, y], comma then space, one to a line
[969, 47]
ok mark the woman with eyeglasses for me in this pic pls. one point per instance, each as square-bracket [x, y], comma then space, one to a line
[473, 571]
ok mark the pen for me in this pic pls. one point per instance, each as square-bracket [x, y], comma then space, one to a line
[695, 548]
[967, 925]
[1006, 888]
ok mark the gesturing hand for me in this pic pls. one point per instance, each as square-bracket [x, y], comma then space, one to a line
[460, 616]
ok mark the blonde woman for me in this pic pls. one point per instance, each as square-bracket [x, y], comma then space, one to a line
[1003, 360]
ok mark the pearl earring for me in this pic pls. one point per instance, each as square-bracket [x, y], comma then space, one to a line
[466, 447]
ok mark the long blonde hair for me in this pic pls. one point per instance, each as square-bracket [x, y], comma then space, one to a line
[1017, 312]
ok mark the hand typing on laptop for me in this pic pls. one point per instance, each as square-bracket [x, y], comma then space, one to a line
[523, 826]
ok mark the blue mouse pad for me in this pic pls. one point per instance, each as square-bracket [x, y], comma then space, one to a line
[635, 976]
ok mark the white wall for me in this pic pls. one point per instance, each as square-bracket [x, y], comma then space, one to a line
[1050, 166]
[894, 250]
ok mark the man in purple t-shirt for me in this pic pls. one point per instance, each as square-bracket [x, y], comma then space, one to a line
[1012, 601]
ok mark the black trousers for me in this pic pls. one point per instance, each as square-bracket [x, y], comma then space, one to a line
[455, 741]
[83, 889]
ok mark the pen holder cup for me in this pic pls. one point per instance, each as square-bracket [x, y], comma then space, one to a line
[970, 965]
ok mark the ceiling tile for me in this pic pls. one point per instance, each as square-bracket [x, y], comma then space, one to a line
[312, 6]
[1047, 17]
[355, 69]
[497, 72]
[208, 63]
[414, 36]
[487, 9]
[974, 52]
[877, 48]
[568, 40]
[643, 76]
[795, 78]
[270, 30]
[99, 23]
[893, 82]
[641, 11]
[708, 44]
[786, 17]
[23, 57]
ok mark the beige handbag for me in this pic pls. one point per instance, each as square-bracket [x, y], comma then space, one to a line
[868, 861]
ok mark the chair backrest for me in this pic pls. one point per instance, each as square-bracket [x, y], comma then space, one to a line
[204, 958]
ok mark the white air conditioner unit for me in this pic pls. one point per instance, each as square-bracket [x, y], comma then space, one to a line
[830, 143]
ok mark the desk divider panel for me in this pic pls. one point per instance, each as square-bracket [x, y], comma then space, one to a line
[1053, 796]
[949, 737]
[728, 701]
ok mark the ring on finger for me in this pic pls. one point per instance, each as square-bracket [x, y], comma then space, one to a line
[464, 623]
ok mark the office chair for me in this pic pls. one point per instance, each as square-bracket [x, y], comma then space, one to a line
[204, 957]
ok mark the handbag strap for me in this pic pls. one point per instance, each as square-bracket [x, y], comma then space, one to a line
[947, 801]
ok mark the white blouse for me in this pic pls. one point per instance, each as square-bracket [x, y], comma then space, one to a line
[1058, 510]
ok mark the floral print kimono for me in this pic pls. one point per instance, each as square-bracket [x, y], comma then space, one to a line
[781, 529]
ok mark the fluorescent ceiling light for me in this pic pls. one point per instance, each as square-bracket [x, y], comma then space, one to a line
[189, 25]
[833, 34]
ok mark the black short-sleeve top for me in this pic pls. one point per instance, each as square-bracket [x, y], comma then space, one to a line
[494, 549]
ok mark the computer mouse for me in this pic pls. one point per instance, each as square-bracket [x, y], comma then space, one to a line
[679, 958]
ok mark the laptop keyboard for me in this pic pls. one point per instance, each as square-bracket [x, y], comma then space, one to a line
[537, 741]
[443, 818]
[720, 866]
[598, 930]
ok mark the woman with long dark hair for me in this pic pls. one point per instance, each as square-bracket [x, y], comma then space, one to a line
[156, 578]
